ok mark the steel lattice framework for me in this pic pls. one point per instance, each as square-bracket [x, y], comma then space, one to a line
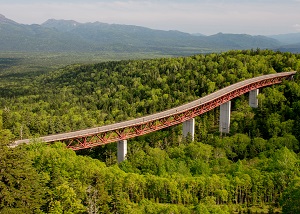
[88, 138]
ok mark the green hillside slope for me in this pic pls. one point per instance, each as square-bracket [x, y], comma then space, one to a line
[255, 168]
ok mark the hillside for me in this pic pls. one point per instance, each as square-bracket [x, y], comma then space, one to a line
[254, 169]
[69, 35]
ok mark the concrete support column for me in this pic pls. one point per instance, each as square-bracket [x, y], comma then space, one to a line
[253, 101]
[224, 125]
[189, 127]
[122, 150]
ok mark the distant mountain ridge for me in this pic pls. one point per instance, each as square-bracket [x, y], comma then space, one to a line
[69, 35]
[4, 20]
[61, 25]
[287, 39]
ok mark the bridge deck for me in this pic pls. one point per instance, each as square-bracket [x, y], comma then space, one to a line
[160, 115]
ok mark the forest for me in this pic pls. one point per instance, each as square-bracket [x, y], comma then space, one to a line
[253, 169]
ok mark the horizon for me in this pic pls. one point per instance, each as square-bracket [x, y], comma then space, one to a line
[208, 17]
[198, 34]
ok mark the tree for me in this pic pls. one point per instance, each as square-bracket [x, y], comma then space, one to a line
[273, 125]
[284, 160]
[64, 199]
[257, 146]
[22, 189]
[291, 198]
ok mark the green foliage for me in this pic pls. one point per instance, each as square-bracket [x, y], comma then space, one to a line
[253, 166]
[291, 198]
[283, 160]
[5, 137]
[64, 200]
[76, 97]
[22, 189]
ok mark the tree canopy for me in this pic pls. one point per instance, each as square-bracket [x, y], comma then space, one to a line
[255, 168]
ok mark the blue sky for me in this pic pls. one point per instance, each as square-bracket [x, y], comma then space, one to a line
[255, 17]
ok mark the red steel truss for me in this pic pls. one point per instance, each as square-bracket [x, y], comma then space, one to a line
[89, 138]
[88, 141]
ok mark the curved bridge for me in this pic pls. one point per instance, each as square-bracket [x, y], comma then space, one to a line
[128, 129]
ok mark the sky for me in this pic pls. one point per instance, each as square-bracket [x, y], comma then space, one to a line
[254, 17]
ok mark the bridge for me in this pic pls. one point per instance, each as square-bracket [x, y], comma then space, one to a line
[120, 132]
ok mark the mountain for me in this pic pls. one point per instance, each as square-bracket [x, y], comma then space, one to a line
[116, 37]
[293, 48]
[4, 20]
[243, 41]
[68, 35]
[19, 37]
[61, 25]
[287, 39]
[291, 42]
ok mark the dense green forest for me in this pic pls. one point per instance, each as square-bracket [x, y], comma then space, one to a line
[254, 169]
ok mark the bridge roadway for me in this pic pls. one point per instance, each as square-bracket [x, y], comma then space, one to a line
[91, 137]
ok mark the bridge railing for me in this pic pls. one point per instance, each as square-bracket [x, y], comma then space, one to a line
[88, 138]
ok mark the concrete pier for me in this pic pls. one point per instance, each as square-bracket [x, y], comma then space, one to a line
[224, 125]
[189, 127]
[253, 101]
[122, 150]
